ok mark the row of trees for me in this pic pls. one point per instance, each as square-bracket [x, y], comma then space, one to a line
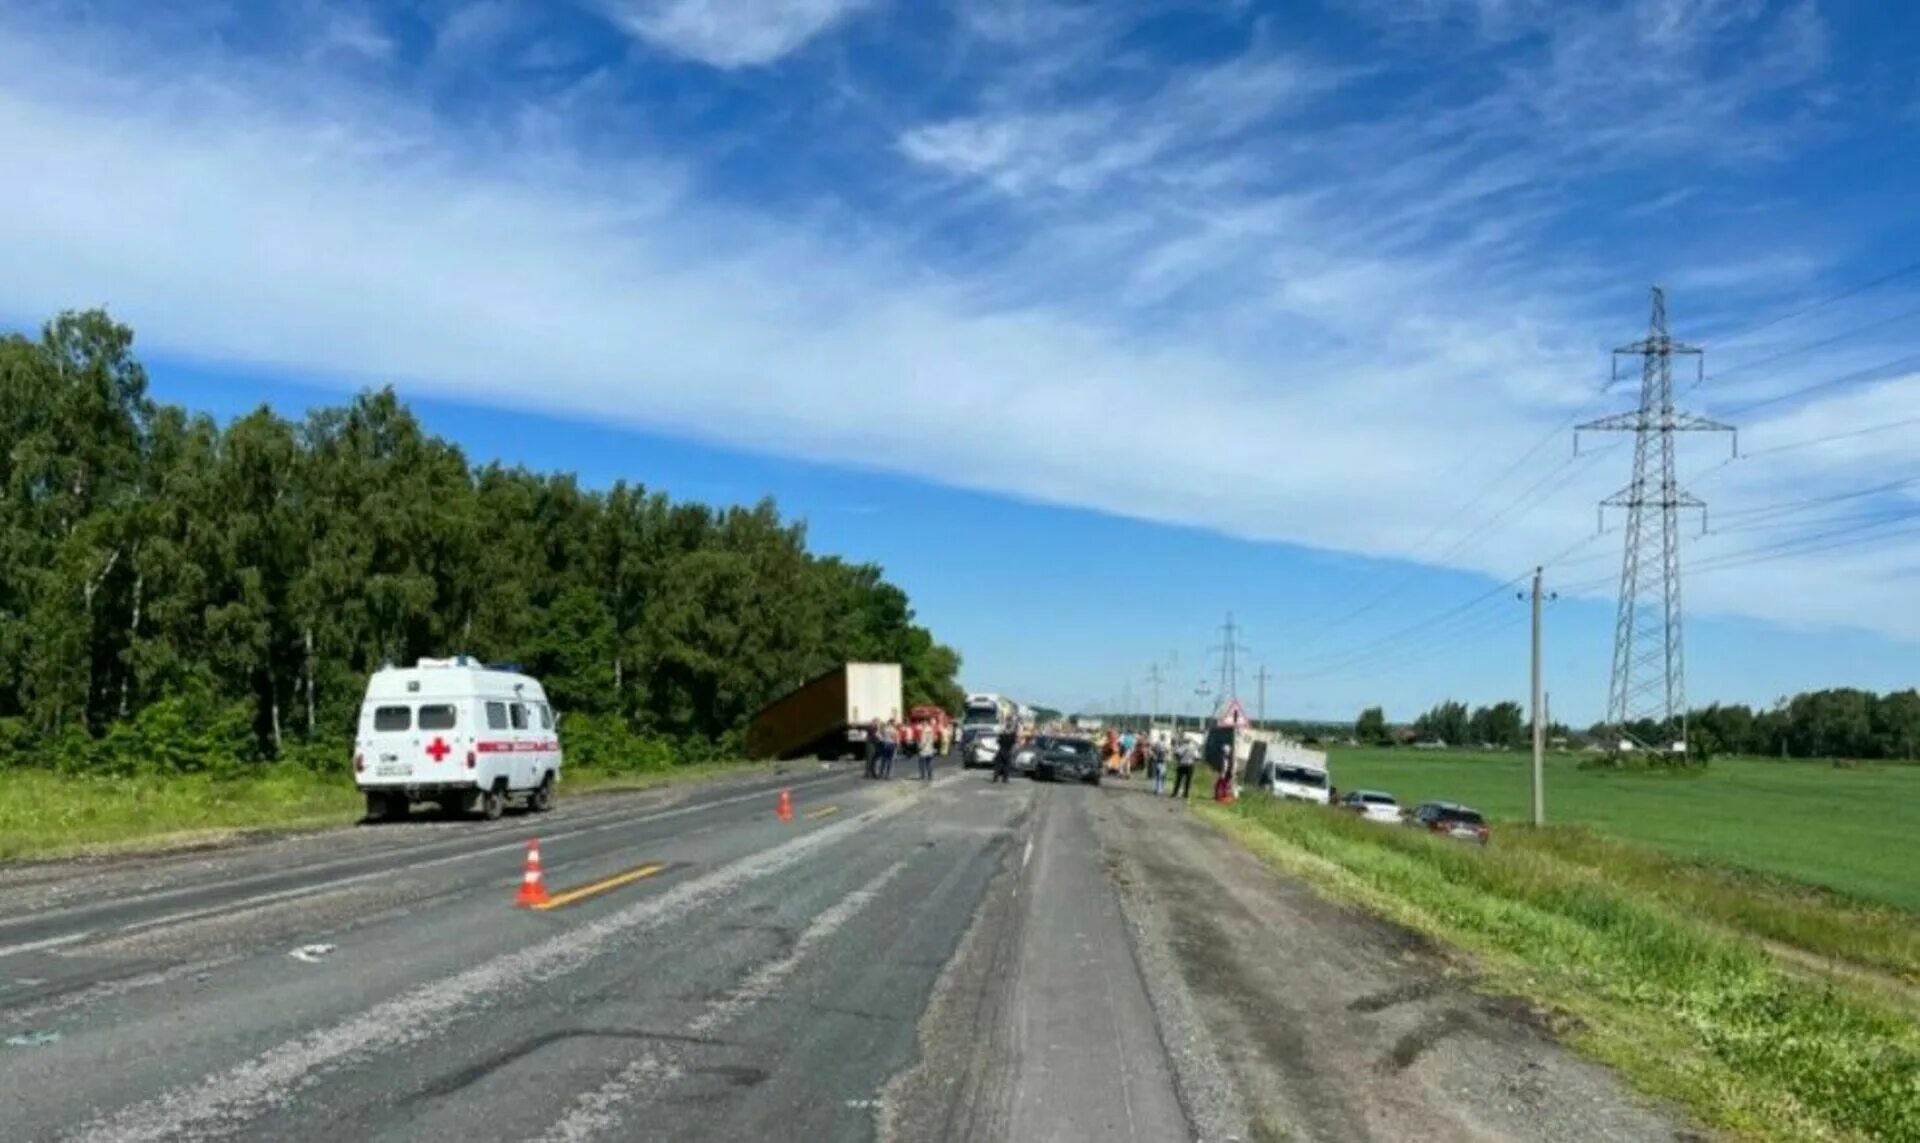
[1499, 724]
[150, 558]
[1838, 723]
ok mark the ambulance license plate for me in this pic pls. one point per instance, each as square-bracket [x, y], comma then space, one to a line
[393, 769]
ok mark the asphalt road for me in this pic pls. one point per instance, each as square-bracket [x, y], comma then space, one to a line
[960, 961]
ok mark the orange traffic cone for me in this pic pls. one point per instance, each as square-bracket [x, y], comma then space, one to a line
[533, 891]
[786, 806]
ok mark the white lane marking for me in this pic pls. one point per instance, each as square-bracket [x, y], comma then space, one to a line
[245, 903]
[770, 976]
[49, 943]
[232, 1097]
[1027, 856]
[595, 1112]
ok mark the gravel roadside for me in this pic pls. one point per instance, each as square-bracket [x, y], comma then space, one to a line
[1331, 1024]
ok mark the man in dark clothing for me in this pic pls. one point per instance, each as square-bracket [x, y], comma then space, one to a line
[1003, 759]
[1183, 770]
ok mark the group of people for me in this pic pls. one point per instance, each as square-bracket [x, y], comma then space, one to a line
[1124, 752]
[921, 739]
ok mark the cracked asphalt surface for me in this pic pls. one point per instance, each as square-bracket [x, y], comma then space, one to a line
[960, 961]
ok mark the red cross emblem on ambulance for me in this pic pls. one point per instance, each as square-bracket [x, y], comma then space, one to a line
[438, 749]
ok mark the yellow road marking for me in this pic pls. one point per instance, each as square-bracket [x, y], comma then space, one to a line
[823, 811]
[600, 886]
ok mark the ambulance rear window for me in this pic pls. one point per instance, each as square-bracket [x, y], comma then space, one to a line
[390, 718]
[439, 717]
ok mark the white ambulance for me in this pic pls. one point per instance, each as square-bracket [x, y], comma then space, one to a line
[457, 732]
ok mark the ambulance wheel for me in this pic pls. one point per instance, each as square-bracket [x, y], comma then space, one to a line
[542, 799]
[493, 803]
[379, 807]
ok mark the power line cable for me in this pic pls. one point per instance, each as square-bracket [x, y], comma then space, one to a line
[1547, 481]
[1852, 542]
[1775, 524]
[1843, 295]
[1896, 363]
[1743, 366]
[1789, 506]
[1809, 442]
[1453, 645]
[1785, 546]
[1359, 652]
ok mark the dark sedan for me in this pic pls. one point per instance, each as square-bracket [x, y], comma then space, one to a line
[1065, 760]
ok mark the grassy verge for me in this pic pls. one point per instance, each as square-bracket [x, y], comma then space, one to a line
[1675, 998]
[44, 814]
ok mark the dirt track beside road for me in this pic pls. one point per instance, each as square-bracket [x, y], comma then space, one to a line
[1336, 1025]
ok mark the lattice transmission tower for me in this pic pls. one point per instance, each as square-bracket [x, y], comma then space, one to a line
[1649, 661]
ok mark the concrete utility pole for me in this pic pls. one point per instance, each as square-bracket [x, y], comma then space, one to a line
[1262, 677]
[1539, 715]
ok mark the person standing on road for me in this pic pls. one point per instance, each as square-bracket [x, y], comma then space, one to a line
[1157, 767]
[929, 739]
[1003, 757]
[1188, 755]
[873, 749]
[889, 742]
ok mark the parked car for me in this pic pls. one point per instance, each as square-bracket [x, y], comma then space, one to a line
[1372, 805]
[1452, 819]
[1065, 759]
[979, 745]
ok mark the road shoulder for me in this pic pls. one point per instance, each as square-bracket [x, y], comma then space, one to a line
[1338, 1025]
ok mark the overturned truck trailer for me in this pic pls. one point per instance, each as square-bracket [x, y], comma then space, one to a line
[827, 716]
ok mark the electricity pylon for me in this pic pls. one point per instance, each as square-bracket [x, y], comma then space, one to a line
[1649, 662]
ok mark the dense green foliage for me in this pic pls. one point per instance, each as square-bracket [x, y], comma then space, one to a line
[1500, 724]
[1683, 1003]
[1855, 831]
[1371, 726]
[180, 595]
[1838, 723]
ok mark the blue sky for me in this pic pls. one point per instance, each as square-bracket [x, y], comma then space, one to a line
[1089, 321]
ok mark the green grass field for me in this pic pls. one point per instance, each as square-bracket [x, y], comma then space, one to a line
[1852, 830]
[44, 814]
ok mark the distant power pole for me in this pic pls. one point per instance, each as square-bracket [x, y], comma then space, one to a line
[1649, 669]
[1539, 711]
[1539, 716]
[1263, 676]
[1229, 660]
[1154, 679]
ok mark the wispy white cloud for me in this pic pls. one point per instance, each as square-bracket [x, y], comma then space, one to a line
[729, 33]
[1345, 323]
[352, 30]
[476, 28]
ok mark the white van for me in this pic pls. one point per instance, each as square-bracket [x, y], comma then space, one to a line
[456, 732]
[1293, 772]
